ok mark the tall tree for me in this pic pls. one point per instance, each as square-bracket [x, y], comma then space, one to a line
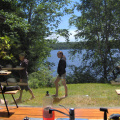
[98, 25]
[42, 17]
[10, 29]
[28, 23]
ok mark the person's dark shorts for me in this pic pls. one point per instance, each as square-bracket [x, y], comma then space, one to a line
[25, 87]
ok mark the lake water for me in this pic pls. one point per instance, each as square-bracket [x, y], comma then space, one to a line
[76, 61]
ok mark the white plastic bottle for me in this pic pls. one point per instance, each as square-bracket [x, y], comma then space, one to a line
[48, 104]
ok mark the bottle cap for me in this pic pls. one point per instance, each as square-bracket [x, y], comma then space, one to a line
[47, 93]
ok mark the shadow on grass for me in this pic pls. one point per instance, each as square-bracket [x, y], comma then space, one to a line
[57, 100]
[26, 100]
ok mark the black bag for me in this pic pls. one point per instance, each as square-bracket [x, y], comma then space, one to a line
[10, 88]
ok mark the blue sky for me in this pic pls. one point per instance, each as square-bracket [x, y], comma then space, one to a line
[65, 25]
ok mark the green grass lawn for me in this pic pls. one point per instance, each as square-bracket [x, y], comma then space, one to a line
[79, 95]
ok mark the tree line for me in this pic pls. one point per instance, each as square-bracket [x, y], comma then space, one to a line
[81, 45]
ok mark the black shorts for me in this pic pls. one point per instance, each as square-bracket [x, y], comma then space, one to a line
[25, 87]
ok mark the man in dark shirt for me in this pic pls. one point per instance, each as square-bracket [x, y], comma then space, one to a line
[24, 76]
[61, 73]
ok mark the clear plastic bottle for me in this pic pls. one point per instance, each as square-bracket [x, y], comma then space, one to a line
[48, 104]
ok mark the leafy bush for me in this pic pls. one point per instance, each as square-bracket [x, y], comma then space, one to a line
[41, 78]
[34, 83]
[80, 76]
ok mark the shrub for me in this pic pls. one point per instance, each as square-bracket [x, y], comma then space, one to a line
[41, 78]
[80, 76]
[34, 83]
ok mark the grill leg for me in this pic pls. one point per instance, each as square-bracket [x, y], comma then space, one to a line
[6, 104]
[15, 101]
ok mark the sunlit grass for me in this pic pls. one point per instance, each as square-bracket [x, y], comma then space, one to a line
[79, 95]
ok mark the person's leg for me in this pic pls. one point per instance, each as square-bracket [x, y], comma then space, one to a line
[56, 85]
[65, 86]
[20, 97]
[27, 88]
[31, 94]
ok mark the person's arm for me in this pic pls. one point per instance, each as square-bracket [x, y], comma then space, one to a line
[24, 65]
